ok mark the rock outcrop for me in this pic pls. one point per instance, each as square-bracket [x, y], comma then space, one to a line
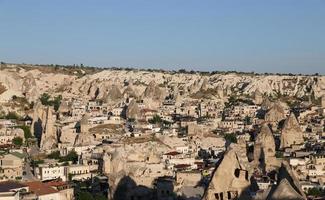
[284, 191]
[64, 107]
[29, 88]
[43, 127]
[266, 104]
[258, 97]
[275, 115]
[230, 180]
[114, 95]
[2, 88]
[95, 85]
[264, 148]
[153, 95]
[133, 110]
[84, 138]
[291, 132]
[323, 101]
[130, 92]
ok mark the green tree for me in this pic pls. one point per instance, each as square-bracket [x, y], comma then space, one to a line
[155, 120]
[18, 141]
[35, 163]
[71, 156]
[99, 197]
[54, 155]
[27, 133]
[70, 176]
[278, 154]
[315, 192]
[56, 102]
[247, 120]
[231, 137]
[83, 195]
[45, 99]
[12, 115]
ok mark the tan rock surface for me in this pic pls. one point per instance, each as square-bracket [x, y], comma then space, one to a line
[264, 148]
[43, 123]
[291, 132]
[230, 176]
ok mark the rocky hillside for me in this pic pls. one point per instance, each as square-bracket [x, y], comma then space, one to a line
[32, 81]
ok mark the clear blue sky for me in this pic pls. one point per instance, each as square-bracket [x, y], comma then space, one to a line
[243, 35]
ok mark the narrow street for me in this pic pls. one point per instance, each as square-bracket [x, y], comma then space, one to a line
[27, 170]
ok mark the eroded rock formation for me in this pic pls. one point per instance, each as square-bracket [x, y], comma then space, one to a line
[43, 127]
[264, 148]
[230, 179]
[153, 95]
[291, 132]
[275, 115]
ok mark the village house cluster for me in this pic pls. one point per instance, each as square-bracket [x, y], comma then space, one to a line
[166, 142]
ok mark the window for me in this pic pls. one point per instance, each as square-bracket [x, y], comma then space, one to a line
[229, 194]
[237, 172]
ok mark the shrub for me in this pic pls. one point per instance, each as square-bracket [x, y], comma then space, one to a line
[54, 155]
[35, 163]
[13, 115]
[18, 141]
[316, 192]
[46, 101]
[84, 196]
[27, 133]
[72, 156]
[231, 137]
[155, 120]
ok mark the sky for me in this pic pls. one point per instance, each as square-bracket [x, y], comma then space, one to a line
[207, 35]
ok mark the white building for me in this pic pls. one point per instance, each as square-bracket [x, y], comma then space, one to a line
[50, 172]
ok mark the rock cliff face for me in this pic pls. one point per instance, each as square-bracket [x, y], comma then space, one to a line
[275, 115]
[114, 95]
[2, 88]
[258, 97]
[264, 148]
[284, 191]
[130, 92]
[133, 110]
[230, 179]
[43, 127]
[96, 85]
[153, 95]
[291, 132]
[84, 138]
[29, 87]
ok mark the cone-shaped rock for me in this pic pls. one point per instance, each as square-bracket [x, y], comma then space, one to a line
[291, 132]
[258, 97]
[284, 191]
[114, 95]
[230, 176]
[264, 147]
[275, 114]
[129, 92]
[153, 91]
[133, 110]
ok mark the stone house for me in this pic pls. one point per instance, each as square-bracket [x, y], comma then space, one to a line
[11, 166]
